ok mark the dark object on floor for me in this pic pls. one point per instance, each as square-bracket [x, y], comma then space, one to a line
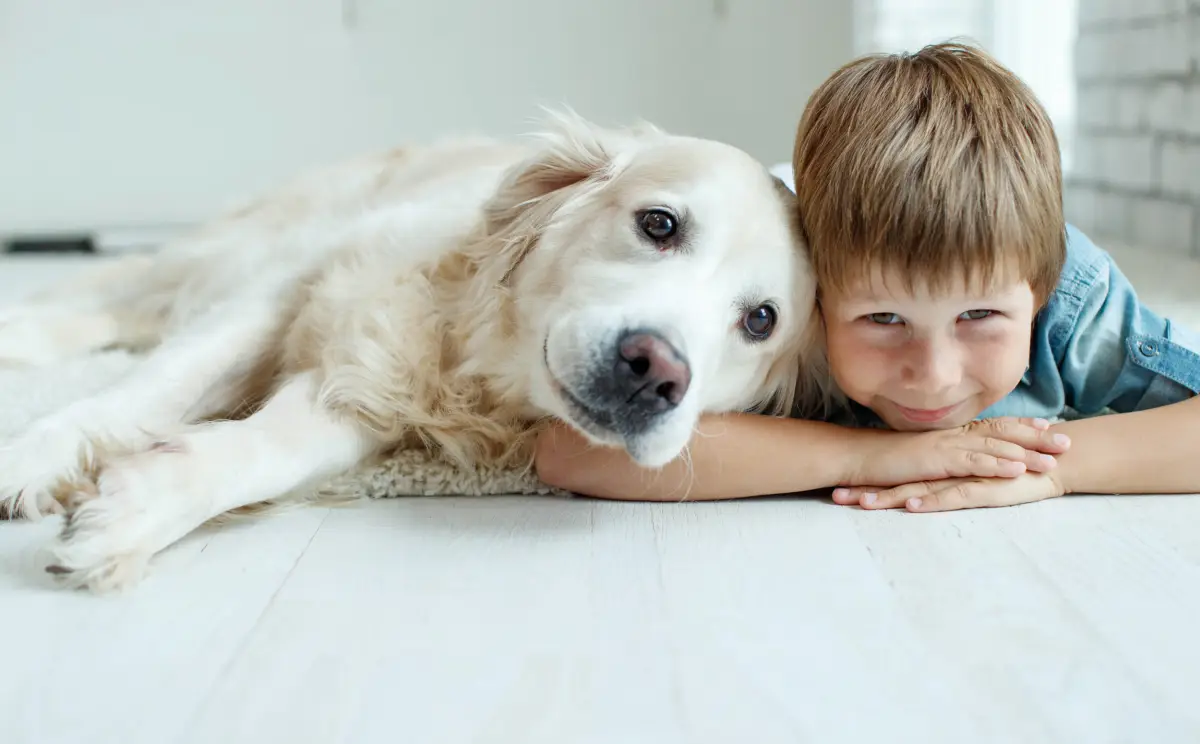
[50, 244]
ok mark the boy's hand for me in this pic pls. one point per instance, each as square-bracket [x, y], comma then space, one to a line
[992, 448]
[956, 493]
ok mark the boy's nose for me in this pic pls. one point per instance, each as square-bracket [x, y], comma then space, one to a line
[934, 367]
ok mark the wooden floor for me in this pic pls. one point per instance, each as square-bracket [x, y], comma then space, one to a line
[575, 621]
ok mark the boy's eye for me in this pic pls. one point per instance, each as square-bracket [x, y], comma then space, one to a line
[884, 318]
[975, 314]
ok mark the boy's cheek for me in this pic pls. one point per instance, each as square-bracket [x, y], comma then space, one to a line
[1003, 364]
[854, 364]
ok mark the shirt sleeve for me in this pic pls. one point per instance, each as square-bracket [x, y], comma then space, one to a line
[1111, 350]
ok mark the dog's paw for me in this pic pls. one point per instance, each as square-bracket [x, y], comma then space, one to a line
[30, 502]
[142, 504]
[38, 468]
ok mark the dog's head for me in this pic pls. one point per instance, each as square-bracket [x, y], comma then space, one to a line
[653, 278]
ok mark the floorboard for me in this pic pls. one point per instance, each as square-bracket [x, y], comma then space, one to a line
[544, 620]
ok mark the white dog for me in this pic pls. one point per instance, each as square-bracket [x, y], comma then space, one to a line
[451, 297]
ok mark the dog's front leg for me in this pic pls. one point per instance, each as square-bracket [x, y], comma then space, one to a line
[150, 500]
[194, 372]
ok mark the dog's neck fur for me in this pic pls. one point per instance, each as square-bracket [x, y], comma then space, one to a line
[481, 414]
[486, 385]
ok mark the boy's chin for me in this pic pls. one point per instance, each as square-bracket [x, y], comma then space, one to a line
[897, 421]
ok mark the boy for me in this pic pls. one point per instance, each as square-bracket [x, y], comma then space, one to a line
[952, 294]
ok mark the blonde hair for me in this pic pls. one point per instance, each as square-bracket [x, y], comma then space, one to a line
[930, 164]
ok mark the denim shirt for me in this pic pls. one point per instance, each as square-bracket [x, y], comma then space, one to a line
[1095, 349]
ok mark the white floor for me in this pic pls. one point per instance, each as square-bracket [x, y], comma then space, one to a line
[576, 621]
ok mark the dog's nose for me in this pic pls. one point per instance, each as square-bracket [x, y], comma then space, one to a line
[651, 374]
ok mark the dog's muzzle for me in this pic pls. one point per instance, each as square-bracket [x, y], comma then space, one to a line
[643, 377]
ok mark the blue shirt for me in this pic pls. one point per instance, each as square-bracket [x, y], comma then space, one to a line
[1096, 348]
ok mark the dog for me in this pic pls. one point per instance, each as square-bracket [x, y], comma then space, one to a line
[452, 296]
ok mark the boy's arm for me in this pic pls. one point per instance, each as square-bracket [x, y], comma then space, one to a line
[744, 455]
[728, 457]
[1150, 451]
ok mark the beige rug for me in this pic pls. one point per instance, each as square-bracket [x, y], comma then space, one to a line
[28, 393]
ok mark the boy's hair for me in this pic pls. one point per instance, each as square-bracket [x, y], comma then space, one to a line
[929, 164]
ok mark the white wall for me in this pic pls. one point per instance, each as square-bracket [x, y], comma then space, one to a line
[764, 60]
[144, 112]
[1138, 175]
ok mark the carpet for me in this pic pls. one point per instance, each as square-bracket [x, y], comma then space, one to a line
[26, 394]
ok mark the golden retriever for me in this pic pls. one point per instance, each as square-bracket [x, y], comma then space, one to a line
[450, 296]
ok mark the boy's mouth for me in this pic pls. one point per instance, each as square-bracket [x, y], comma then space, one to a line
[926, 415]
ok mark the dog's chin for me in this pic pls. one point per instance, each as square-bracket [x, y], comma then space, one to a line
[601, 429]
[591, 423]
[651, 455]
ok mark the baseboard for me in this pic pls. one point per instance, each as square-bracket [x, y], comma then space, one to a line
[46, 244]
[105, 240]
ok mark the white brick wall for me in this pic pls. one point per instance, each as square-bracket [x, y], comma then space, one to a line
[1136, 174]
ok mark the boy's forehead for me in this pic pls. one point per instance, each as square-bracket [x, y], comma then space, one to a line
[893, 283]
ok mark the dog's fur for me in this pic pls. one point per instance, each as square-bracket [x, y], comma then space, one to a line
[450, 297]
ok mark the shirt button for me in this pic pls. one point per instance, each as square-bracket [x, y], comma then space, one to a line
[1147, 348]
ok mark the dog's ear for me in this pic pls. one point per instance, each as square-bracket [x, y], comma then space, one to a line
[570, 150]
[572, 155]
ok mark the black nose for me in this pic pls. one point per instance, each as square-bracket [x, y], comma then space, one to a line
[650, 374]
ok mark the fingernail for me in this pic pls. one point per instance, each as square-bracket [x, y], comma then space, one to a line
[869, 498]
[1062, 440]
[841, 493]
[1049, 461]
[914, 503]
[1041, 423]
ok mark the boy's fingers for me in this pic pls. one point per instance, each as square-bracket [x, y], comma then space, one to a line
[998, 459]
[846, 496]
[1038, 462]
[950, 498]
[894, 498]
[988, 492]
[972, 494]
[1040, 424]
[1028, 436]
[867, 498]
[1013, 459]
[1036, 423]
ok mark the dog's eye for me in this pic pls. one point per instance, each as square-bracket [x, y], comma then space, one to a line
[658, 224]
[759, 322]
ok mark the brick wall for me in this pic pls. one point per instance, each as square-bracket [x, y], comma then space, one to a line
[1135, 172]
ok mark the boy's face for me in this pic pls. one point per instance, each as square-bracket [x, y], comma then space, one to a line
[928, 360]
